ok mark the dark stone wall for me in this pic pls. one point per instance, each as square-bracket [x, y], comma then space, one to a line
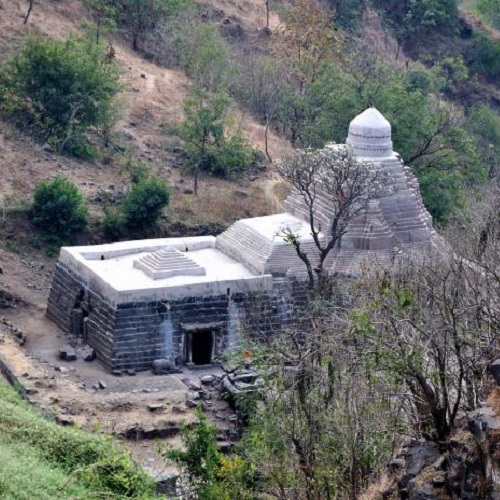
[133, 335]
[65, 293]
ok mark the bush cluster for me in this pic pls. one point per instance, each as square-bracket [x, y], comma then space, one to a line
[61, 93]
[59, 210]
[140, 210]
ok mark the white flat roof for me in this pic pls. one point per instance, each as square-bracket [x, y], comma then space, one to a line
[109, 269]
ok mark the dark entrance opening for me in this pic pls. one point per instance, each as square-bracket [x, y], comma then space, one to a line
[201, 349]
[201, 342]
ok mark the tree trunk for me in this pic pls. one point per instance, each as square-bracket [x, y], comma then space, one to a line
[32, 2]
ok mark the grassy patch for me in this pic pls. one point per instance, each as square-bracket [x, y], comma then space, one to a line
[41, 460]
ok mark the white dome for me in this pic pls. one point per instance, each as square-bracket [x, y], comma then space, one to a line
[370, 134]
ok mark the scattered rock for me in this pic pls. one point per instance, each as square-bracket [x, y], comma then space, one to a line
[194, 385]
[88, 354]
[191, 404]
[65, 421]
[166, 484]
[224, 446]
[398, 463]
[420, 454]
[155, 407]
[194, 395]
[207, 380]
[161, 366]
[440, 463]
[67, 353]
[131, 372]
[102, 384]
[117, 373]
[439, 481]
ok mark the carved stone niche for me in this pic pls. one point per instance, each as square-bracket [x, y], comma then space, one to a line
[201, 342]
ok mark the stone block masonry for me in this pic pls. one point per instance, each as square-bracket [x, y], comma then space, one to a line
[184, 300]
[134, 334]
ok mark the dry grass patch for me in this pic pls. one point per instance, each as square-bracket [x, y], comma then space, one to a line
[221, 202]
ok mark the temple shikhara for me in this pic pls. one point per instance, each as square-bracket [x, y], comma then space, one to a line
[186, 299]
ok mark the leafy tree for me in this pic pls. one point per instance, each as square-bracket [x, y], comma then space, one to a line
[348, 13]
[212, 475]
[208, 147]
[203, 55]
[417, 22]
[333, 177]
[104, 16]
[141, 17]
[59, 210]
[484, 55]
[60, 91]
[145, 202]
[305, 44]
[484, 123]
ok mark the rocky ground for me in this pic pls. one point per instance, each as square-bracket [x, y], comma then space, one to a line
[138, 408]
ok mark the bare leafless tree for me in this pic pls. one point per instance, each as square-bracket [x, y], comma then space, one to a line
[344, 183]
[432, 329]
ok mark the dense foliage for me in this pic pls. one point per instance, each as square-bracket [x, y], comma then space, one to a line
[59, 210]
[145, 202]
[60, 93]
[206, 141]
[140, 210]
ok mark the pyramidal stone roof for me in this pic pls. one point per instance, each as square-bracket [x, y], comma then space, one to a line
[395, 222]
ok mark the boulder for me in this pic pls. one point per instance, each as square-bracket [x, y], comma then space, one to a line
[207, 380]
[155, 407]
[67, 353]
[88, 354]
[161, 366]
[166, 484]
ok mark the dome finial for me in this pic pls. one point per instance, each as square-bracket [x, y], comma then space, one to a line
[370, 134]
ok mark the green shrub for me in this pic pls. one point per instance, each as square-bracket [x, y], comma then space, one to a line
[145, 203]
[59, 210]
[206, 143]
[484, 55]
[114, 224]
[230, 157]
[60, 93]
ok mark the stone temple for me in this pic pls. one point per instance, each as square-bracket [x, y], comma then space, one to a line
[186, 299]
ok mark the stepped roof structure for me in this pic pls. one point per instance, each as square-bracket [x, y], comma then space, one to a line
[152, 279]
[397, 222]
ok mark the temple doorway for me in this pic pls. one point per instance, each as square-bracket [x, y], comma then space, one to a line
[202, 343]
